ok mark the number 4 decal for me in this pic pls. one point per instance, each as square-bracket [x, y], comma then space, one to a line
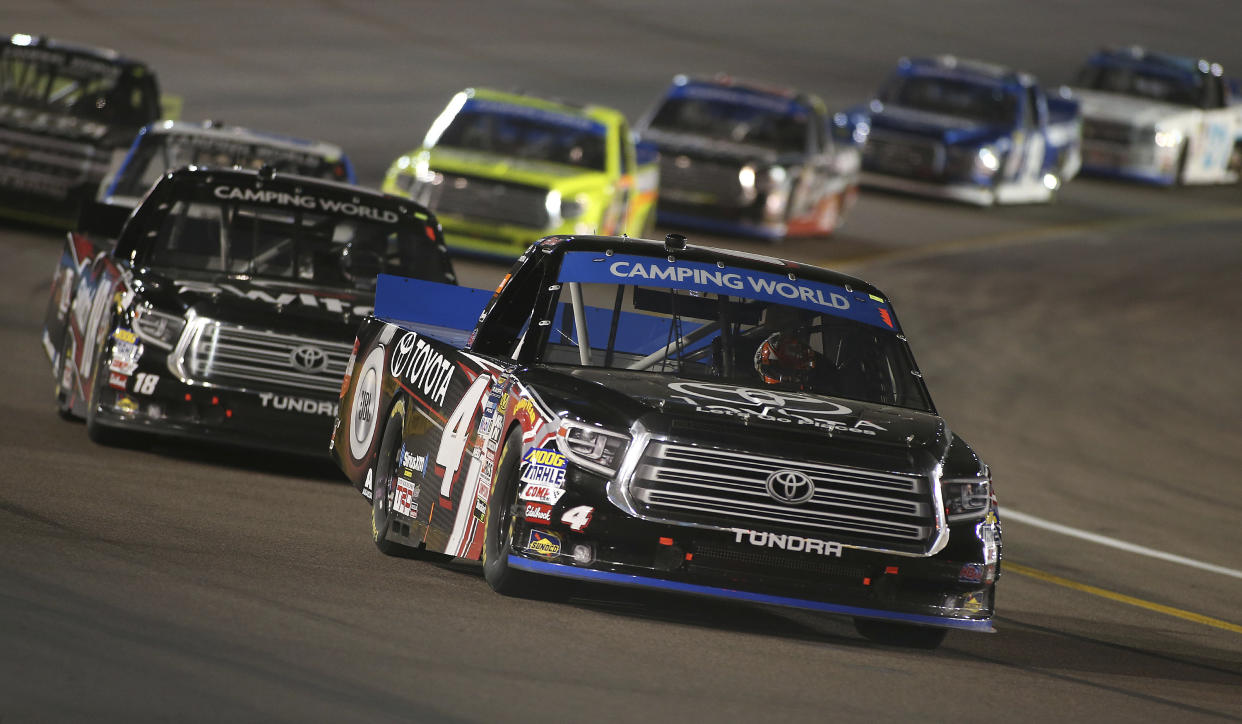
[456, 432]
[578, 518]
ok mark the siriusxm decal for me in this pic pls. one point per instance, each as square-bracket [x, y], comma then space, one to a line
[651, 271]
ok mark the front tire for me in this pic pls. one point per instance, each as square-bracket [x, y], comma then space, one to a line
[98, 432]
[499, 522]
[900, 634]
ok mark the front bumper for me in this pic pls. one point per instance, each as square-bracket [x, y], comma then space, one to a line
[953, 589]
[1144, 163]
[300, 425]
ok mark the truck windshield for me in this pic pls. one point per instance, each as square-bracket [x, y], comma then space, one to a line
[253, 240]
[528, 133]
[776, 125]
[157, 153]
[979, 102]
[791, 337]
[76, 85]
[1180, 89]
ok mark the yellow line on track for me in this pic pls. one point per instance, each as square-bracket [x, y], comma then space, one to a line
[1030, 236]
[1120, 597]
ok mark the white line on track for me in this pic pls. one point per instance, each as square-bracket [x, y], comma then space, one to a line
[1009, 514]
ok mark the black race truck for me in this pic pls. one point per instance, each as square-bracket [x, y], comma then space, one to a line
[671, 417]
[225, 307]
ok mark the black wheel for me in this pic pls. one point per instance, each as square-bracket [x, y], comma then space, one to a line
[384, 489]
[61, 391]
[1181, 165]
[900, 634]
[498, 526]
[98, 432]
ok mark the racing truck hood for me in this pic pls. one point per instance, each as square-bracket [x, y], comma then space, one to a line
[949, 129]
[1130, 110]
[761, 419]
[690, 144]
[317, 311]
[506, 168]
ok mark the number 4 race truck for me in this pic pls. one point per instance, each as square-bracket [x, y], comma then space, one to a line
[671, 417]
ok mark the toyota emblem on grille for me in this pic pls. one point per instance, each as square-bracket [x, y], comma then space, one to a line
[308, 359]
[790, 486]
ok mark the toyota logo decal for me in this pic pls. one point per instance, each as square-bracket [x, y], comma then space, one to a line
[308, 359]
[790, 486]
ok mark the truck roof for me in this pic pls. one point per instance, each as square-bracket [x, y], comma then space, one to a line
[724, 80]
[597, 113]
[1140, 58]
[978, 71]
[212, 129]
[102, 54]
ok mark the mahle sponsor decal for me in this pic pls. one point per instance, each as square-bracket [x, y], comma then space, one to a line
[544, 467]
[792, 543]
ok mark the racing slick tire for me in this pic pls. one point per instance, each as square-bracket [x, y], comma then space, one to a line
[64, 407]
[383, 492]
[1182, 156]
[498, 526]
[99, 433]
[900, 634]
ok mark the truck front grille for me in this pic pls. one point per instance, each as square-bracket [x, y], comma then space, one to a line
[720, 488]
[689, 180]
[1108, 131]
[903, 155]
[231, 356]
[490, 201]
[48, 166]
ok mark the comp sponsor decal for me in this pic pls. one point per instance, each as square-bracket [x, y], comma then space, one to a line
[422, 367]
[541, 493]
[543, 543]
[792, 543]
[365, 408]
[798, 408]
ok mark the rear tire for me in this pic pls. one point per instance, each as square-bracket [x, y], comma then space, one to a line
[1181, 165]
[383, 488]
[900, 634]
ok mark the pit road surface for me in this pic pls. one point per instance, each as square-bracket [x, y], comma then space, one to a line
[1088, 349]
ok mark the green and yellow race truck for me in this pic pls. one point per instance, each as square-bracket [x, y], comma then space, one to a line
[502, 170]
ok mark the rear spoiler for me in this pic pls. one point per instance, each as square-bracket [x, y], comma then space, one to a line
[444, 311]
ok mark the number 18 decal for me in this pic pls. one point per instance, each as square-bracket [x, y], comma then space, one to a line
[578, 518]
[144, 383]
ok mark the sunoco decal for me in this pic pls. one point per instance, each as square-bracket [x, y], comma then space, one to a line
[544, 544]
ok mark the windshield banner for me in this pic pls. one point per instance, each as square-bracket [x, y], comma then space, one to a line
[740, 283]
[540, 115]
[738, 97]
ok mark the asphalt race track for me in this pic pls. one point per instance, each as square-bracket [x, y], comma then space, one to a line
[1089, 349]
